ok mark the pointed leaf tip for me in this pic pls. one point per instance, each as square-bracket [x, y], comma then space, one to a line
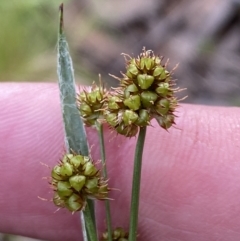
[61, 19]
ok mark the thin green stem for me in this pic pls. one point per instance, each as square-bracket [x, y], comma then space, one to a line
[90, 225]
[91, 205]
[99, 127]
[136, 184]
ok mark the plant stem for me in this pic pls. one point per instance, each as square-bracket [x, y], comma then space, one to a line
[91, 206]
[99, 127]
[136, 184]
[90, 225]
[75, 136]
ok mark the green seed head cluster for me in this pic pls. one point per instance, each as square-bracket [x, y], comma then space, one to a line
[74, 180]
[146, 91]
[90, 104]
[118, 234]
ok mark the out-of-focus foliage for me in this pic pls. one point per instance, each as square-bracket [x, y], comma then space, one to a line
[201, 35]
[28, 35]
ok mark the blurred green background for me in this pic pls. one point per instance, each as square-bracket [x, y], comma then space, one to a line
[201, 35]
[28, 39]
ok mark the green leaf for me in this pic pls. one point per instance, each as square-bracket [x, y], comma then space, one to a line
[73, 125]
[75, 135]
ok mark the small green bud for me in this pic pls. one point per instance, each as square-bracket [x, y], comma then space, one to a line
[130, 89]
[148, 98]
[113, 103]
[66, 169]
[164, 75]
[64, 189]
[77, 160]
[74, 203]
[89, 169]
[58, 201]
[67, 157]
[144, 118]
[158, 71]
[56, 173]
[145, 81]
[129, 117]
[92, 185]
[94, 96]
[147, 63]
[77, 182]
[133, 102]
[83, 96]
[163, 89]
[132, 71]
[118, 234]
[85, 109]
[162, 106]
[111, 119]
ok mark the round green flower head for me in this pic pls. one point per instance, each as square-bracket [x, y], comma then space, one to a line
[90, 103]
[74, 180]
[118, 234]
[146, 91]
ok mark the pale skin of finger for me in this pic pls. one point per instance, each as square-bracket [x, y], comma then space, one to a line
[190, 175]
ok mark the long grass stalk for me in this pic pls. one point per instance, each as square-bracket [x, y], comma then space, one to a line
[105, 175]
[136, 185]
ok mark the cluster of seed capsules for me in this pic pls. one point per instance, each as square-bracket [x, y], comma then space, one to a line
[118, 234]
[146, 91]
[75, 179]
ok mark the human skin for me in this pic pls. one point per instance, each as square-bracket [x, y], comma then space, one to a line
[190, 175]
